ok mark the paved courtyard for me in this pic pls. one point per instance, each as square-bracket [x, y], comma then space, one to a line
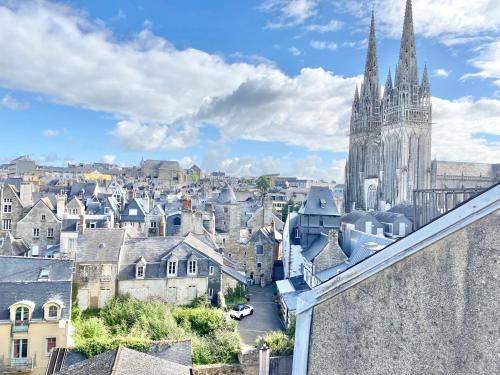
[265, 317]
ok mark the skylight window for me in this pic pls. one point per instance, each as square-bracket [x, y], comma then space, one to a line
[44, 274]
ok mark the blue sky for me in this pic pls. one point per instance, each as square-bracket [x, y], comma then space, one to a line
[248, 87]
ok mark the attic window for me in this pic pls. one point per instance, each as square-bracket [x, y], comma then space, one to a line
[44, 274]
[322, 203]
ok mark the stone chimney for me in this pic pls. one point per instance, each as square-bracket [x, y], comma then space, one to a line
[61, 204]
[163, 226]
[186, 202]
[81, 224]
[26, 193]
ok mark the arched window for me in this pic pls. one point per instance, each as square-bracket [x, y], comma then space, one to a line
[22, 314]
[52, 312]
[371, 200]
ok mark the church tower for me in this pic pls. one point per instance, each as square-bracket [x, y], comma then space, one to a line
[363, 165]
[406, 125]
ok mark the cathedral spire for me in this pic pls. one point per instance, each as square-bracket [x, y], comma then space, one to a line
[407, 64]
[388, 83]
[355, 104]
[425, 88]
[371, 81]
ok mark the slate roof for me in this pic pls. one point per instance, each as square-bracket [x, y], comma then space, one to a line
[405, 209]
[316, 247]
[100, 245]
[12, 246]
[354, 216]
[388, 217]
[134, 204]
[226, 195]
[317, 195]
[19, 280]
[124, 361]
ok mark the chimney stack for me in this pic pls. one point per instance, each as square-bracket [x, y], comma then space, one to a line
[81, 224]
[61, 205]
[26, 193]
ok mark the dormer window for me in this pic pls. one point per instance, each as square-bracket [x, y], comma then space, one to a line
[52, 312]
[52, 309]
[322, 203]
[22, 314]
[140, 269]
[192, 267]
[172, 268]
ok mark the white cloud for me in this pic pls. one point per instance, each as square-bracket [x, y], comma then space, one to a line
[50, 133]
[323, 44]
[295, 51]
[333, 25]
[443, 73]
[10, 103]
[444, 19]
[456, 128]
[359, 44]
[108, 159]
[137, 136]
[291, 12]
[186, 162]
[487, 62]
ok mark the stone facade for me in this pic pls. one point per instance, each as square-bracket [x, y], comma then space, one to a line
[434, 312]
[40, 228]
[390, 137]
[11, 209]
[453, 175]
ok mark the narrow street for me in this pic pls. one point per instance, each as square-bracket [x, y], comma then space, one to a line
[265, 317]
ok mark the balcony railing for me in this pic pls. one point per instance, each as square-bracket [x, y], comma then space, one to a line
[20, 326]
[17, 365]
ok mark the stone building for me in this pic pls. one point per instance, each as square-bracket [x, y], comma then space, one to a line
[426, 304]
[174, 269]
[11, 209]
[455, 175]
[256, 255]
[390, 136]
[97, 257]
[40, 228]
[168, 173]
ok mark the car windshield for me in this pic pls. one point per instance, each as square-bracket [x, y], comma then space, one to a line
[238, 307]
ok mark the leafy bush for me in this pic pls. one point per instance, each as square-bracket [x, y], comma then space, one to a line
[135, 324]
[220, 346]
[202, 321]
[279, 343]
[236, 296]
[91, 329]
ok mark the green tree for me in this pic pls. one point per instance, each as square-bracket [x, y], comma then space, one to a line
[264, 184]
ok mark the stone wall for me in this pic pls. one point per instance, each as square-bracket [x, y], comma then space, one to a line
[249, 365]
[435, 312]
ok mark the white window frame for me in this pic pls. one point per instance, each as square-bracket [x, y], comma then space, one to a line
[7, 205]
[140, 270]
[48, 312]
[192, 267]
[36, 232]
[210, 292]
[50, 232]
[172, 264]
[211, 270]
[7, 224]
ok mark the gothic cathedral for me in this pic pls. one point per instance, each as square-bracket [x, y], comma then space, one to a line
[390, 135]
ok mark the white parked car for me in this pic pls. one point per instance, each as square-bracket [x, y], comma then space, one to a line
[240, 311]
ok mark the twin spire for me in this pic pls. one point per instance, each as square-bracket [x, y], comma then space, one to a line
[406, 68]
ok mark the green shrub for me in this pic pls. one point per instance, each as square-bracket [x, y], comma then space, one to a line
[201, 320]
[279, 343]
[236, 296]
[220, 346]
[93, 347]
[91, 329]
